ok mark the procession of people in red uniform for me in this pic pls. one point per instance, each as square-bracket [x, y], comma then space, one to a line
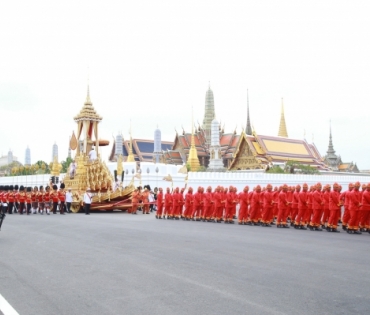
[303, 207]
[28, 200]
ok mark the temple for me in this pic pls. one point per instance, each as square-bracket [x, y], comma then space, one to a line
[259, 151]
[334, 161]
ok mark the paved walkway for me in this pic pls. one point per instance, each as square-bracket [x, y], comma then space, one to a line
[117, 263]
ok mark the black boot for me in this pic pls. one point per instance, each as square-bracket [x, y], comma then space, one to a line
[329, 229]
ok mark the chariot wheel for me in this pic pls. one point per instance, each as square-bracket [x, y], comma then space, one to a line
[75, 207]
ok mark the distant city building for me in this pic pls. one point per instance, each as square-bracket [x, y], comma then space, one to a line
[157, 145]
[4, 160]
[55, 151]
[10, 157]
[119, 143]
[27, 159]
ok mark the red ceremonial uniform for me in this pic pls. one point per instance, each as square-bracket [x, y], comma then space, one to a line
[303, 200]
[354, 208]
[167, 203]
[255, 204]
[366, 207]
[243, 202]
[159, 204]
[208, 204]
[334, 207]
[268, 204]
[189, 200]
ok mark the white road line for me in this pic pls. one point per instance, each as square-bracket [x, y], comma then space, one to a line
[6, 308]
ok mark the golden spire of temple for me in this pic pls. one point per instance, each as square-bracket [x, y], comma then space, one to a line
[282, 128]
[193, 160]
[130, 157]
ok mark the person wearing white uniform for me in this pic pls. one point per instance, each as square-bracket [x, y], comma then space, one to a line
[69, 199]
[87, 201]
[92, 155]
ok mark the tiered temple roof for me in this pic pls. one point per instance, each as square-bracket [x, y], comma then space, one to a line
[142, 149]
[258, 151]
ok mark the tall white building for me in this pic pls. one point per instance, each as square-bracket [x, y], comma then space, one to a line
[157, 145]
[27, 159]
[119, 145]
[55, 152]
[10, 157]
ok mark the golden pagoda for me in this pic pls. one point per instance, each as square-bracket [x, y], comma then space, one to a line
[193, 160]
[92, 173]
[130, 157]
[282, 128]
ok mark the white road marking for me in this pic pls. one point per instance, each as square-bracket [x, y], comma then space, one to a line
[6, 308]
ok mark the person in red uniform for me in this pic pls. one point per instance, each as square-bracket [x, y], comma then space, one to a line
[354, 208]
[22, 200]
[243, 202]
[346, 214]
[28, 200]
[16, 196]
[334, 208]
[159, 212]
[289, 197]
[218, 200]
[189, 201]
[181, 202]
[167, 204]
[62, 198]
[300, 222]
[208, 204]
[55, 198]
[229, 206]
[361, 214]
[268, 205]
[47, 200]
[309, 211]
[40, 199]
[317, 207]
[10, 197]
[176, 200]
[145, 199]
[196, 213]
[34, 200]
[255, 206]
[283, 208]
[295, 202]
[326, 210]
[136, 197]
[366, 208]
[3, 199]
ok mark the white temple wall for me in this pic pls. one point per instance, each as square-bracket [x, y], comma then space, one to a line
[150, 176]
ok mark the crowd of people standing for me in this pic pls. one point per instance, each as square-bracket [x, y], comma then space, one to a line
[302, 207]
[35, 200]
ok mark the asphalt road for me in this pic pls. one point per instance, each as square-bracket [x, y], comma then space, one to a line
[117, 263]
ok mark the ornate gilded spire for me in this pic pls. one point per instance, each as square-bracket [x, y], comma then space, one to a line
[248, 129]
[209, 114]
[282, 128]
[331, 150]
[88, 112]
[193, 159]
[130, 157]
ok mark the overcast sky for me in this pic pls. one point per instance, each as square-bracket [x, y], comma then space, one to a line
[151, 61]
